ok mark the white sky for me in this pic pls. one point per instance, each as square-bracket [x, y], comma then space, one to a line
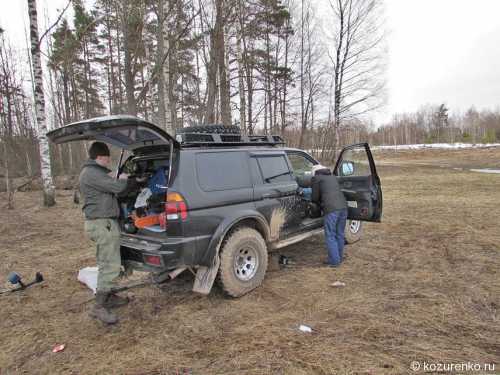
[443, 51]
[439, 50]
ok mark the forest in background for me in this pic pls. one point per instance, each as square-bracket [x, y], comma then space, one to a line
[267, 66]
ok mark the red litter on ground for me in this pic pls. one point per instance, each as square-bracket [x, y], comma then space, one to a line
[58, 348]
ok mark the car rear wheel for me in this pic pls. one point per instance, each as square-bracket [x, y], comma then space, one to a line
[243, 262]
[353, 231]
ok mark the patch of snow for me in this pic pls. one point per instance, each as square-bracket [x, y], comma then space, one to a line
[436, 146]
[448, 146]
[486, 170]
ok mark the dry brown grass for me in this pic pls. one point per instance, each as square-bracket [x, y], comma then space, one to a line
[422, 285]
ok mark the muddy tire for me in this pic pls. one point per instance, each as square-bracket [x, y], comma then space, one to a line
[243, 262]
[353, 231]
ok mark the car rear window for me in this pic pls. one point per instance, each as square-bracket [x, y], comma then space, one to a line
[222, 171]
[131, 135]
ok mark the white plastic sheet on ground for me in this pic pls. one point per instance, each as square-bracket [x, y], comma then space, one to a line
[88, 276]
[305, 328]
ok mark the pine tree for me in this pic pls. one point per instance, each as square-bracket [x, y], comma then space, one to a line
[88, 61]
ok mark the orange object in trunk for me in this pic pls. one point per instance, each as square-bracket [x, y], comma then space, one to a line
[147, 221]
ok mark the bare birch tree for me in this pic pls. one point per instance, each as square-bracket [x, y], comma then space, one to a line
[45, 168]
[164, 115]
[311, 69]
[357, 56]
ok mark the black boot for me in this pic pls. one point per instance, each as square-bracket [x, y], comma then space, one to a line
[100, 311]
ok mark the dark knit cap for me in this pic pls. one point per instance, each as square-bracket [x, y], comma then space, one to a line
[98, 149]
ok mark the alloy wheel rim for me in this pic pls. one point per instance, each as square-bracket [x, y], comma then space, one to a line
[246, 262]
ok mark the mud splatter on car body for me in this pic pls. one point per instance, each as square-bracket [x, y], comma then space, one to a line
[276, 223]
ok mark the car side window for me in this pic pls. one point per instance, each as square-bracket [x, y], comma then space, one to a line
[218, 171]
[354, 163]
[274, 168]
[301, 165]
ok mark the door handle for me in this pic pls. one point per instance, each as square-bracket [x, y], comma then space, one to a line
[276, 193]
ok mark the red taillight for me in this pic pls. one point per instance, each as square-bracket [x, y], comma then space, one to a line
[183, 209]
[154, 260]
[175, 208]
[171, 210]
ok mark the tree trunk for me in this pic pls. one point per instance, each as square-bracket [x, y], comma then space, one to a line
[171, 109]
[275, 90]
[110, 63]
[163, 99]
[269, 109]
[10, 194]
[211, 81]
[221, 57]
[129, 76]
[127, 63]
[285, 81]
[249, 100]
[303, 117]
[45, 169]
[119, 61]
[338, 82]
[199, 112]
[86, 69]
[241, 63]
[266, 98]
[241, 83]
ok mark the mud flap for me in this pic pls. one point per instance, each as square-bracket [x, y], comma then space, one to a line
[205, 277]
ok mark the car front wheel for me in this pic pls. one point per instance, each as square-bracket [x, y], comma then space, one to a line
[353, 231]
[243, 262]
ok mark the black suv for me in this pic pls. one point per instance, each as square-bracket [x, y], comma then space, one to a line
[226, 199]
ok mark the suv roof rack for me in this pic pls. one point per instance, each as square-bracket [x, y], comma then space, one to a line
[215, 139]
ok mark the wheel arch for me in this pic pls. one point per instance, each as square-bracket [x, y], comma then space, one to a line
[250, 219]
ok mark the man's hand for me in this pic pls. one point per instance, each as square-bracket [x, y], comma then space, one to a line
[123, 176]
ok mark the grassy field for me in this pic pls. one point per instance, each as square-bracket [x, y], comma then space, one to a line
[423, 285]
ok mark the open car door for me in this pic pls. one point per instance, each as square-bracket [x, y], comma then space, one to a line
[124, 131]
[360, 182]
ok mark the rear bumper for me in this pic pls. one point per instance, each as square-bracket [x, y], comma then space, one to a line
[173, 252]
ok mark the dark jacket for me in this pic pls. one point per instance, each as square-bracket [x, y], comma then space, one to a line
[99, 191]
[326, 192]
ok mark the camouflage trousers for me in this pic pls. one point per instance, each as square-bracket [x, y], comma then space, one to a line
[106, 234]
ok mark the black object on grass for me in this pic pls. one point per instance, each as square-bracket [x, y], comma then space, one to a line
[15, 279]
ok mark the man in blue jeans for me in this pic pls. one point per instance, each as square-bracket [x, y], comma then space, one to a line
[326, 192]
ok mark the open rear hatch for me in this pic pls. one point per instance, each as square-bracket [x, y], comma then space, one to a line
[124, 131]
[142, 139]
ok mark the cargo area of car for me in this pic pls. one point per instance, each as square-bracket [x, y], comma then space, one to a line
[143, 210]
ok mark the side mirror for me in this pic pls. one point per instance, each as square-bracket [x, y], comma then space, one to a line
[347, 168]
